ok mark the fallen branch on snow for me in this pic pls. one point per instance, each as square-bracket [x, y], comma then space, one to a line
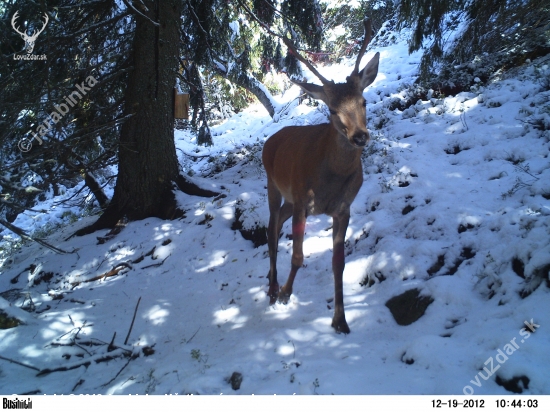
[113, 272]
[20, 232]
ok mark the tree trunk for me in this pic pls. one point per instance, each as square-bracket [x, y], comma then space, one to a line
[148, 168]
[147, 155]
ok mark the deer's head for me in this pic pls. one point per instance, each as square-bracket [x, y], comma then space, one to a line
[345, 101]
[29, 38]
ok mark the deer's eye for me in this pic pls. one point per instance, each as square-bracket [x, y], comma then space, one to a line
[333, 112]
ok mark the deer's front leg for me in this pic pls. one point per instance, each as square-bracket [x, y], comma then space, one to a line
[339, 227]
[298, 229]
[274, 199]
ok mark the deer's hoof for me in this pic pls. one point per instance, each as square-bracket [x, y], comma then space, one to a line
[340, 326]
[284, 297]
[273, 293]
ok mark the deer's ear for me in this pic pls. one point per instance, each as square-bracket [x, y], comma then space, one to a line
[369, 73]
[313, 90]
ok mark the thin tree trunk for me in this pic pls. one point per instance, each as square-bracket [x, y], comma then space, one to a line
[92, 184]
[251, 84]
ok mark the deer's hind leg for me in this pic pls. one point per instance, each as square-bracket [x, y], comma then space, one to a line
[284, 214]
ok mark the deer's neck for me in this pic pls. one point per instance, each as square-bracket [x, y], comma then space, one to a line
[343, 158]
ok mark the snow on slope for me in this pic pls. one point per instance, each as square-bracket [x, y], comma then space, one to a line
[455, 204]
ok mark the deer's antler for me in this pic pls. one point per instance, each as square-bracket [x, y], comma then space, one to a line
[34, 33]
[310, 66]
[13, 19]
[286, 41]
[368, 34]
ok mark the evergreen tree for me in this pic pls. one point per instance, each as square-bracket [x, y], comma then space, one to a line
[79, 136]
[148, 170]
[124, 59]
[498, 33]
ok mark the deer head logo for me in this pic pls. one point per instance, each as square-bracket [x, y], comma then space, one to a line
[29, 38]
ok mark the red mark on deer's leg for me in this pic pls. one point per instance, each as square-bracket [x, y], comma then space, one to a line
[299, 227]
[338, 258]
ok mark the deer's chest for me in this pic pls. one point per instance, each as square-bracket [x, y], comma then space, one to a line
[332, 194]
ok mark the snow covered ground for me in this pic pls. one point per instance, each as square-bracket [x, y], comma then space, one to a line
[455, 207]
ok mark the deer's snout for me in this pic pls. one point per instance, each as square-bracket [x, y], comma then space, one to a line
[360, 139]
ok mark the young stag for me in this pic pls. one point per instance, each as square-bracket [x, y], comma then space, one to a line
[317, 170]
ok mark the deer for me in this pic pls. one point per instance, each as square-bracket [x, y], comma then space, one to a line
[29, 39]
[316, 169]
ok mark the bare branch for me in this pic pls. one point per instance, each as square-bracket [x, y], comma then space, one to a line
[191, 338]
[132, 324]
[140, 13]
[19, 363]
[21, 232]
